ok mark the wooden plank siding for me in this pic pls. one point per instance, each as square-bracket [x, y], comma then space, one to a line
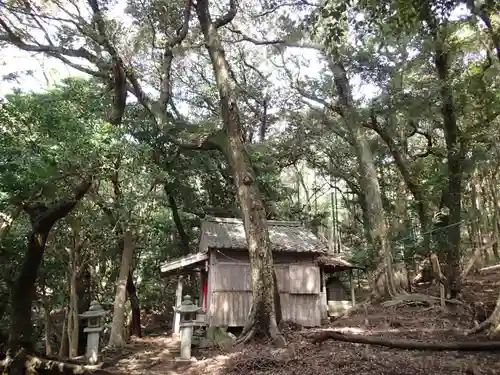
[231, 290]
[304, 279]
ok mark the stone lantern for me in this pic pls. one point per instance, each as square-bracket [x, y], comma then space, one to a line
[187, 311]
[93, 330]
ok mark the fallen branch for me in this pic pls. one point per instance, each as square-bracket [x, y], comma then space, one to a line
[490, 268]
[476, 255]
[408, 345]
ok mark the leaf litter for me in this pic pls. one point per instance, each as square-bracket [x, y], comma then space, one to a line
[152, 356]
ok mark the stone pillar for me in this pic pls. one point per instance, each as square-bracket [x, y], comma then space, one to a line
[92, 350]
[186, 338]
[93, 330]
[187, 311]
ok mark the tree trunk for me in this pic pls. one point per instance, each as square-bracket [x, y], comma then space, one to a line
[368, 176]
[373, 198]
[116, 338]
[262, 317]
[42, 219]
[83, 290]
[455, 154]
[135, 326]
[48, 330]
[24, 293]
[64, 345]
[495, 208]
[183, 236]
[73, 323]
[403, 164]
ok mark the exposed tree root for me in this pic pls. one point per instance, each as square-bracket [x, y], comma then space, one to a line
[422, 298]
[479, 328]
[491, 324]
[253, 328]
[245, 337]
[33, 364]
[408, 345]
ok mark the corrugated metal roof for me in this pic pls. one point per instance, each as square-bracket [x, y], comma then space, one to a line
[228, 233]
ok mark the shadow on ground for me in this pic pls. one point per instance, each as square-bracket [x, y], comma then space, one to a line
[153, 355]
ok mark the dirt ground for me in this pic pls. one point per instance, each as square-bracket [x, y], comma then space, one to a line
[152, 356]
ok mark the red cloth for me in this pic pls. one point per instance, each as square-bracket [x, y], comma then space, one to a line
[205, 292]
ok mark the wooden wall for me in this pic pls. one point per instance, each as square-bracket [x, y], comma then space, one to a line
[230, 288]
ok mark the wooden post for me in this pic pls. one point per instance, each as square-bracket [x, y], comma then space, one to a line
[202, 278]
[324, 297]
[353, 295]
[178, 301]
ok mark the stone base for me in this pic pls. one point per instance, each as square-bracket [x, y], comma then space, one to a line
[190, 360]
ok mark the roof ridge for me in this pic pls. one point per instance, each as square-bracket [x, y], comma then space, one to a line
[233, 220]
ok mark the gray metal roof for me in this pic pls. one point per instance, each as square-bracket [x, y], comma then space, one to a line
[228, 233]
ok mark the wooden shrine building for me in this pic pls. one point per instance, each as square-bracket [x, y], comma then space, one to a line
[223, 262]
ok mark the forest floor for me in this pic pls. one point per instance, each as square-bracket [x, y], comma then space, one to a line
[151, 356]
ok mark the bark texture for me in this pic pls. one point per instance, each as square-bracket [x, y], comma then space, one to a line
[135, 326]
[454, 147]
[116, 337]
[368, 177]
[42, 218]
[262, 318]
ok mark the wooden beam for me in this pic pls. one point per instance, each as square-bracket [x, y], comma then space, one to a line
[353, 295]
[186, 261]
[324, 297]
[178, 301]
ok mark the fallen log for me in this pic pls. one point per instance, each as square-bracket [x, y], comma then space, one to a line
[33, 364]
[408, 345]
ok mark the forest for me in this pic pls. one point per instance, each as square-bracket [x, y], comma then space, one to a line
[375, 124]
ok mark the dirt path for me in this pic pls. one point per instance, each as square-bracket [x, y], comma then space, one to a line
[153, 356]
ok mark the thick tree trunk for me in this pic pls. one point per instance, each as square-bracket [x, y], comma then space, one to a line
[403, 164]
[368, 176]
[24, 293]
[135, 326]
[262, 318]
[42, 219]
[455, 154]
[116, 338]
[373, 198]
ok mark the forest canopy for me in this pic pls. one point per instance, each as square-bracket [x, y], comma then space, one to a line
[373, 123]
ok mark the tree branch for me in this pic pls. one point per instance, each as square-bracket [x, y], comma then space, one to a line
[168, 56]
[43, 218]
[229, 16]
[405, 344]
[283, 42]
